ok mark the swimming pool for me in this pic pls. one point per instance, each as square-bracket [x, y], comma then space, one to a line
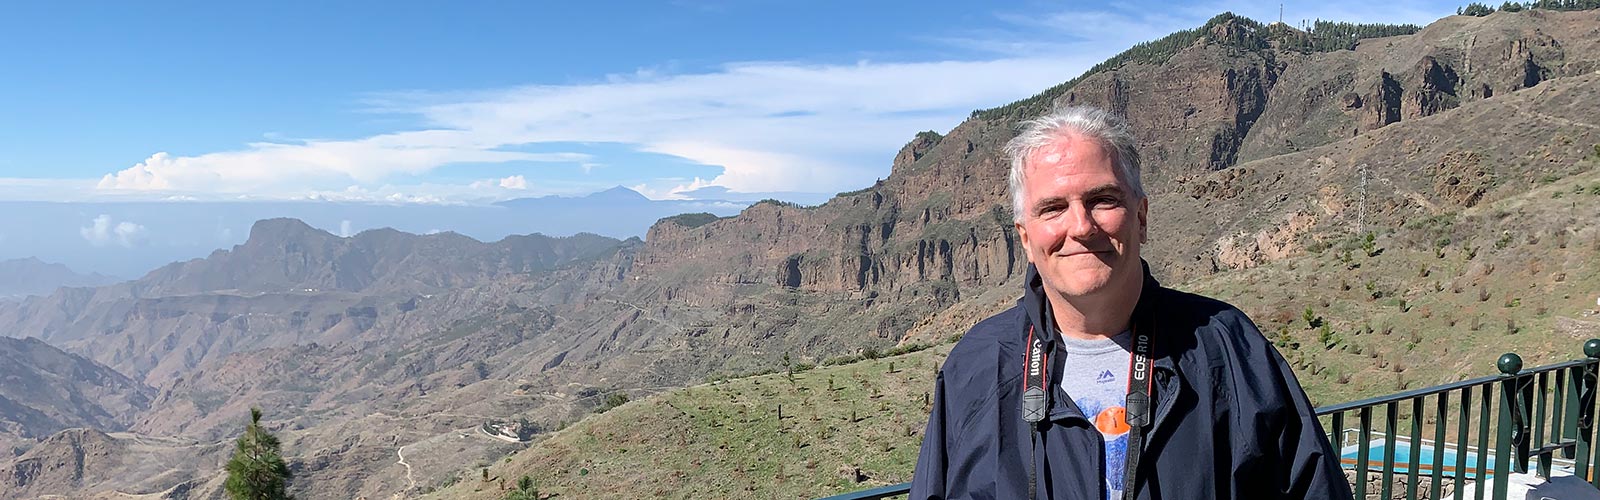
[1425, 465]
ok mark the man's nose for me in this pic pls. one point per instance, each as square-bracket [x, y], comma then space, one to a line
[1080, 223]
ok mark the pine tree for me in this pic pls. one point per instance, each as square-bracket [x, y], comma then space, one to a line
[525, 490]
[257, 470]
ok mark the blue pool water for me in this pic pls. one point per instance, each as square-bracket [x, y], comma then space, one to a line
[1425, 465]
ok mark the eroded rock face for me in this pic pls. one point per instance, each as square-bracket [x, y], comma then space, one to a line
[1190, 115]
[935, 219]
[60, 463]
[1434, 89]
[1386, 97]
[1326, 97]
[1461, 178]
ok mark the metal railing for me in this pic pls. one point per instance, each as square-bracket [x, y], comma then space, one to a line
[1561, 398]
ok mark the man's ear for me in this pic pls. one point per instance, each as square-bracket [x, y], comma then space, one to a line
[1022, 235]
[1144, 226]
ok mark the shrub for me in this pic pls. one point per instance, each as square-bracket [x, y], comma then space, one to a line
[1312, 320]
[612, 401]
[525, 490]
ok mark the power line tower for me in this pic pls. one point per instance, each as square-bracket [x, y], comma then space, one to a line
[1361, 208]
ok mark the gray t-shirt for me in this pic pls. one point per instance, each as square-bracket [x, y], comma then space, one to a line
[1095, 375]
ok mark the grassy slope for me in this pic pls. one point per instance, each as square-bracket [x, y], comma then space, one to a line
[725, 440]
[1453, 293]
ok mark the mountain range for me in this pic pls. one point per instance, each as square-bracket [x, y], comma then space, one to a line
[31, 276]
[132, 238]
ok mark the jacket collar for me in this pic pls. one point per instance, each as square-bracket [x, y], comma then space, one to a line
[1037, 307]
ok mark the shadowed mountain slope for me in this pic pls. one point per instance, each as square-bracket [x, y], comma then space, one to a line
[44, 390]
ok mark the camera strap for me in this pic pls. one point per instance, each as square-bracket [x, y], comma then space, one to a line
[1138, 405]
[1036, 401]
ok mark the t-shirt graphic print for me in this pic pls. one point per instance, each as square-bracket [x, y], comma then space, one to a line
[1095, 375]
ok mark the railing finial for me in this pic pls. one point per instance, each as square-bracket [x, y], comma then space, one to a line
[1510, 363]
[1591, 348]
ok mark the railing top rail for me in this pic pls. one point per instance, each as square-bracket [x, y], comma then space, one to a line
[1429, 391]
[874, 494]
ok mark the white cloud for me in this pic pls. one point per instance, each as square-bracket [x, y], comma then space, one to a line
[267, 167]
[106, 231]
[771, 125]
[514, 182]
[344, 228]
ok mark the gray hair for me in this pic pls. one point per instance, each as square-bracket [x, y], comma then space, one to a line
[1104, 128]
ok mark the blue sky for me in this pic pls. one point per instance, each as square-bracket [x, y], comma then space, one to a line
[472, 102]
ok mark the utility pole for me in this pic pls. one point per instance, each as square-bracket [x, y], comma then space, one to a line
[1361, 210]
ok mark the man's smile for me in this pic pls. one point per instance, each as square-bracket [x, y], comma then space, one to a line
[1081, 252]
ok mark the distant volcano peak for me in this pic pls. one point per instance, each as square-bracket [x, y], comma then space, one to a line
[618, 193]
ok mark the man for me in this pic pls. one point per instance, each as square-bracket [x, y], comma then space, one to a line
[1100, 383]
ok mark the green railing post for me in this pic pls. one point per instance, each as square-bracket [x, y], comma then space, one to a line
[1584, 380]
[1508, 428]
[1463, 439]
[1440, 416]
[1415, 452]
[1363, 451]
[1540, 388]
[1484, 418]
[1391, 413]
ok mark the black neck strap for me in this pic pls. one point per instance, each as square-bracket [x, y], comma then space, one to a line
[1036, 398]
[1138, 405]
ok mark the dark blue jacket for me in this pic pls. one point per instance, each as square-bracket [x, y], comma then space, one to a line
[1230, 421]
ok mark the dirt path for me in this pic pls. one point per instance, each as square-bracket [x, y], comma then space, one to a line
[411, 483]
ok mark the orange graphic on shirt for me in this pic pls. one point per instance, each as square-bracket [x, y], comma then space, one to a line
[1112, 421]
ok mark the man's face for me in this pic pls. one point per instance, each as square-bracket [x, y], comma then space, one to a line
[1081, 225]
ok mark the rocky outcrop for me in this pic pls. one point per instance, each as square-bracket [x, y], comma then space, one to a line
[1326, 97]
[1191, 114]
[1434, 89]
[65, 462]
[1461, 179]
[1387, 100]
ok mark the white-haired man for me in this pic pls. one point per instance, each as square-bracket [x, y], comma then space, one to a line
[1101, 383]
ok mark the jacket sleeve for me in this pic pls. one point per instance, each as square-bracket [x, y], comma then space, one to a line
[1310, 467]
[928, 480]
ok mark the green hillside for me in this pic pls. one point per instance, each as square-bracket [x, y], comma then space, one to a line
[843, 428]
